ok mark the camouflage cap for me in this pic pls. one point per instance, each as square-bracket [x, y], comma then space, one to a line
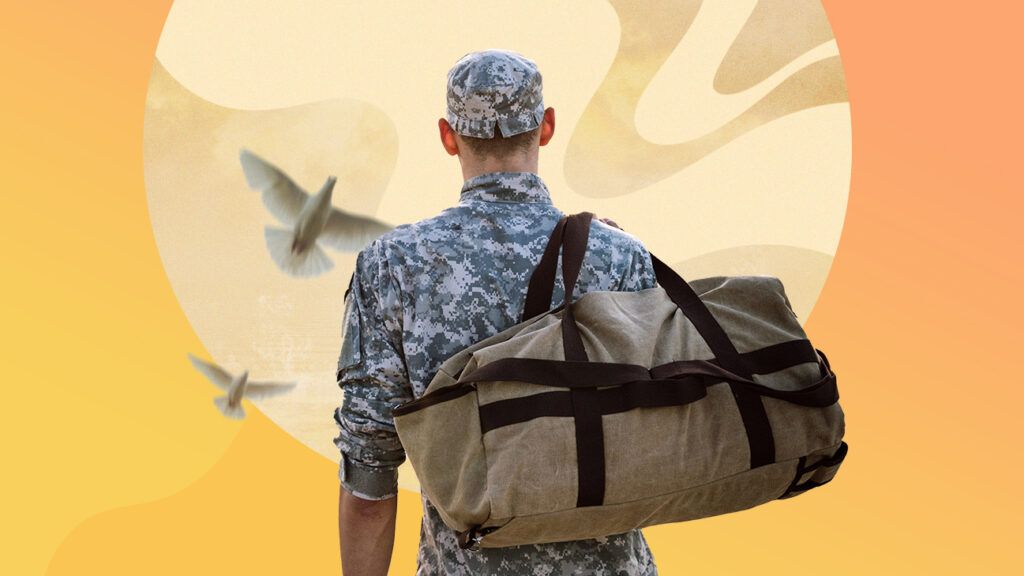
[494, 87]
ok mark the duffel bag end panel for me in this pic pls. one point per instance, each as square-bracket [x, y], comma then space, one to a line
[802, 430]
[815, 470]
[442, 442]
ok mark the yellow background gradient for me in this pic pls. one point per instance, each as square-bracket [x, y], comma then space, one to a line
[108, 469]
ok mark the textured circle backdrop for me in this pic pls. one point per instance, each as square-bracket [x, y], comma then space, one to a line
[718, 132]
[114, 463]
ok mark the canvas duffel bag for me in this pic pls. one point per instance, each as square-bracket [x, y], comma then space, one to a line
[624, 409]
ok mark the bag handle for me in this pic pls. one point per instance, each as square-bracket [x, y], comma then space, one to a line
[574, 247]
[542, 281]
[697, 312]
[572, 232]
[574, 237]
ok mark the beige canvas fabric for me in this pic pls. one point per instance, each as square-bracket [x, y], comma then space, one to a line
[519, 483]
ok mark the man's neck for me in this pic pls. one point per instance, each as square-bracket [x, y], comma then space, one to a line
[519, 164]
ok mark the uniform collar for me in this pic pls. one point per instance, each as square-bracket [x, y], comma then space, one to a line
[505, 187]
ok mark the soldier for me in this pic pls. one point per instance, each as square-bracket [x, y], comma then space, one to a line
[424, 291]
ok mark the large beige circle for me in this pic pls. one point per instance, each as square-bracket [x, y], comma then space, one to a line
[717, 132]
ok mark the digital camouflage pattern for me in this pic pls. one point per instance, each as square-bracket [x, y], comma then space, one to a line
[424, 291]
[494, 87]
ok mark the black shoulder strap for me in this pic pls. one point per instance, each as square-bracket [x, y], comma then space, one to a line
[542, 281]
[571, 233]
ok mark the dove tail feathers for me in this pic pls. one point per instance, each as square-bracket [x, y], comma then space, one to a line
[311, 262]
[236, 412]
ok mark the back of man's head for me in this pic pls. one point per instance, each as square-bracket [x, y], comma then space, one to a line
[495, 103]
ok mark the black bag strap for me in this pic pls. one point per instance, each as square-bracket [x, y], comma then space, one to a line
[697, 312]
[574, 242]
[571, 234]
[542, 281]
[574, 247]
[760, 437]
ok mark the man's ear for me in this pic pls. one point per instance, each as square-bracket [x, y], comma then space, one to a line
[547, 126]
[451, 146]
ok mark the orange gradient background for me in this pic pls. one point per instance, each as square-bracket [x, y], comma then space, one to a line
[106, 472]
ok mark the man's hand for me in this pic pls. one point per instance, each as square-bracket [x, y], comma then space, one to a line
[609, 222]
[367, 533]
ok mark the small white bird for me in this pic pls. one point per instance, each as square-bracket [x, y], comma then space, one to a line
[237, 387]
[312, 218]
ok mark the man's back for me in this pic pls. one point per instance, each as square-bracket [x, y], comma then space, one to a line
[426, 290]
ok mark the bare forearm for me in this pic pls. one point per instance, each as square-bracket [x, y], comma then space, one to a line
[367, 534]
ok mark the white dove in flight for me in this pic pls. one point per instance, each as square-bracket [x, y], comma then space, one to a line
[312, 219]
[237, 387]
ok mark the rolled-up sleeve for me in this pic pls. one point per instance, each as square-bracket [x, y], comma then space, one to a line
[373, 377]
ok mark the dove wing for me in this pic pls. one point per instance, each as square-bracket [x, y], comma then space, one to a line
[257, 390]
[281, 196]
[351, 232]
[215, 373]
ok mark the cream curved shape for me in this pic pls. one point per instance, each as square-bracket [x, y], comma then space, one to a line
[683, 102]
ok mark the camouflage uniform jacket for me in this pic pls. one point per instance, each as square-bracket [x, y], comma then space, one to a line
[424, 291]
